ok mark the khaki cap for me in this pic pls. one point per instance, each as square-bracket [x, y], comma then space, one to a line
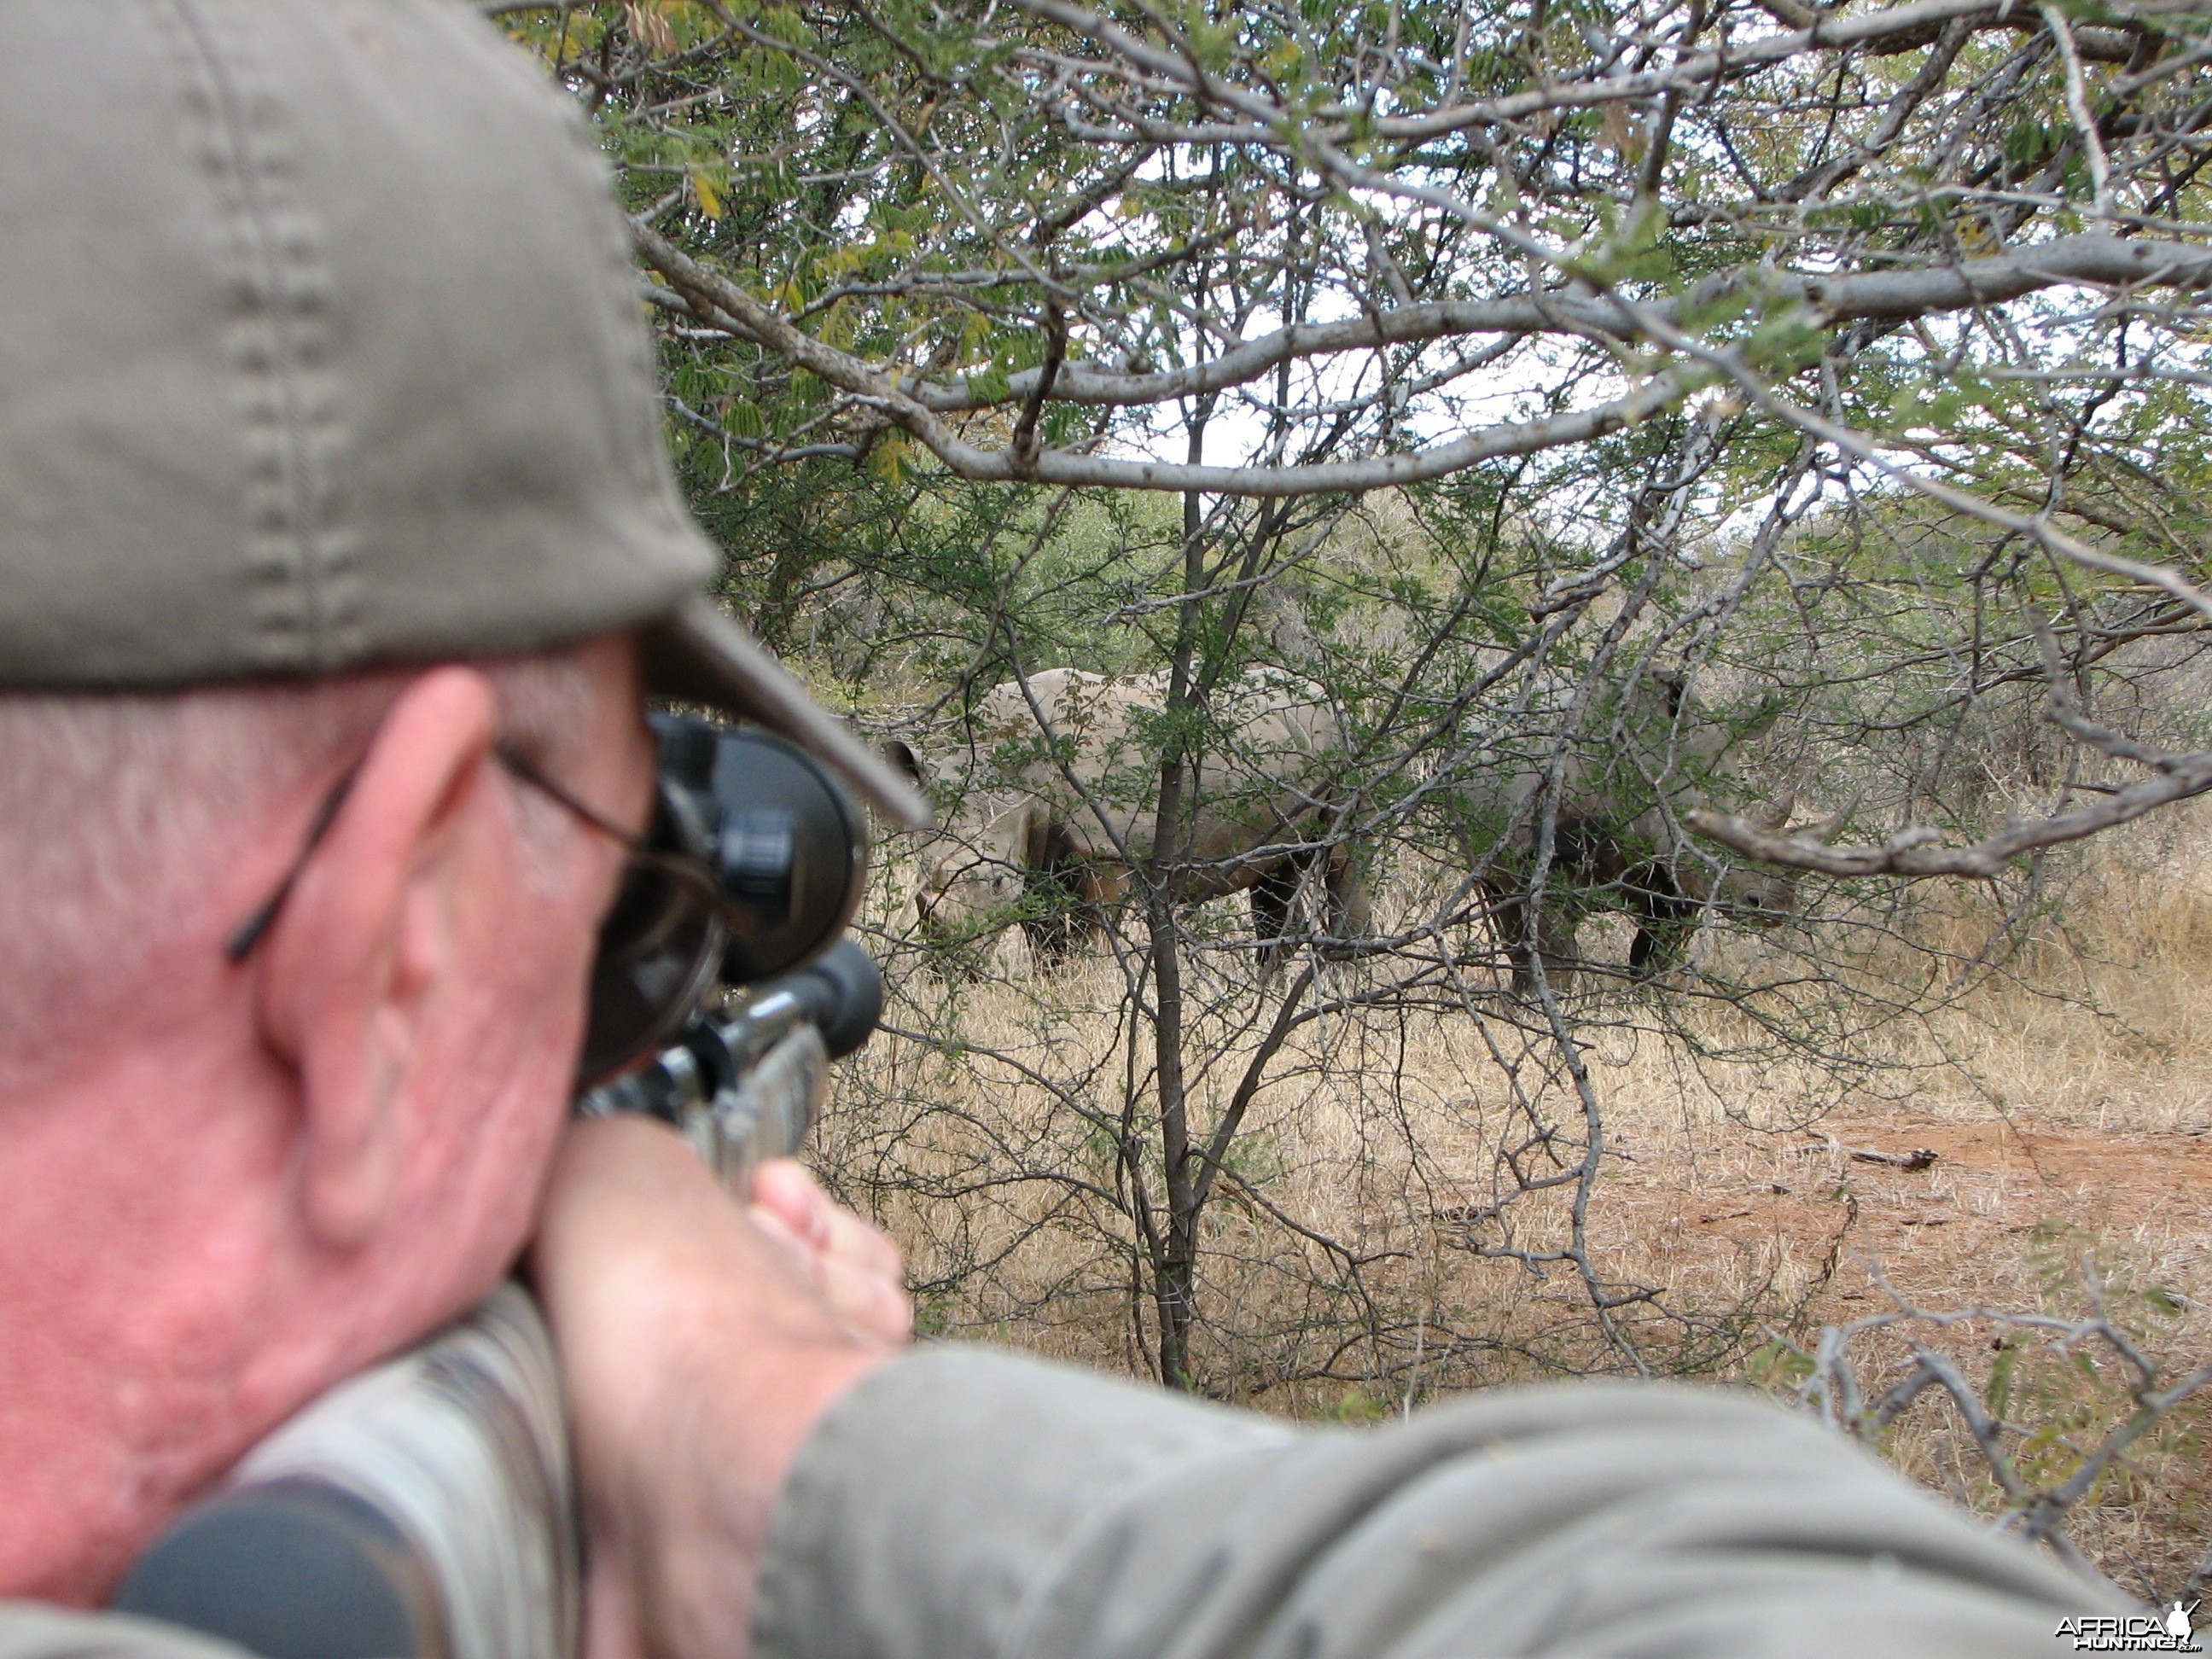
[320, 348]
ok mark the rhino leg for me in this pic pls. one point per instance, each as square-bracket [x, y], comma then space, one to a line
[1272, 896]
[1350, 913]
[1065, 911]
[1343, 901]
[1069, 894]
[1664, 916]
[1050, 930]
[1554, 927]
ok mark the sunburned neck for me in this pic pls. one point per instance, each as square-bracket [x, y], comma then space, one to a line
[140, 1236]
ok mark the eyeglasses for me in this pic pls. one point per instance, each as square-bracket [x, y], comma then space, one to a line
[755, 860]
[686, 870]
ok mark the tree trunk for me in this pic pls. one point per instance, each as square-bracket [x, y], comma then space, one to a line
[1174, 1265]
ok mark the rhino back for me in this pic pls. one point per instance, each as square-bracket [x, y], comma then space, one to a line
[1096, 772]
[1628, 768]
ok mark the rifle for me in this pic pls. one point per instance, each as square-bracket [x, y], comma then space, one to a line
[425, 1510]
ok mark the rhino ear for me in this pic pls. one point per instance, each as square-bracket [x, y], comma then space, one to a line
[901, 753]
[1763, 719]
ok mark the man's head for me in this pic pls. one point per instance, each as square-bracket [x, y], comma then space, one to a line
[328, 464]
[225, 1185]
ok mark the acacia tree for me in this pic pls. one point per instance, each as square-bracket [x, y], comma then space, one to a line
[1944, 245]
[1489, 357]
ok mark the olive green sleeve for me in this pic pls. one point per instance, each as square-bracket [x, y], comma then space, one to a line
[967, 1502]
[30, 1631]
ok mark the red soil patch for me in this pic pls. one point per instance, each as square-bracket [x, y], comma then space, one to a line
[1946, 1233]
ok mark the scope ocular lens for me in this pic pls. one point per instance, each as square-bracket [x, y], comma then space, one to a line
[785, 846]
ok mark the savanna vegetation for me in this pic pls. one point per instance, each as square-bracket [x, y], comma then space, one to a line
[1734, 476]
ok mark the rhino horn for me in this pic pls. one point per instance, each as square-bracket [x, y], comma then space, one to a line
[1821, 828]
[1773, 814]
[1818, 828]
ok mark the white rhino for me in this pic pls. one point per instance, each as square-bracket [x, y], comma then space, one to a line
[1638, 762]
[1061, 790]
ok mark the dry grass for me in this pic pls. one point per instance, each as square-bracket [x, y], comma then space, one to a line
[2068, 1096]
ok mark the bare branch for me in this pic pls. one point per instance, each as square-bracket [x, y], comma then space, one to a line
[2102, 261]
[1919, 853]
[2077, 105]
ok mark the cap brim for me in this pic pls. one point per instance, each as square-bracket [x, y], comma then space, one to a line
[697, 655]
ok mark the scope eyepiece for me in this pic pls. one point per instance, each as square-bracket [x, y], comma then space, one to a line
[785, 851]
[790, 850]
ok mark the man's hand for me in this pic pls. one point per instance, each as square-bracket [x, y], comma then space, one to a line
[855, 1268]
[700, 1342]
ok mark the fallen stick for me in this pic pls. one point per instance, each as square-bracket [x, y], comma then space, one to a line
[1920, 1157]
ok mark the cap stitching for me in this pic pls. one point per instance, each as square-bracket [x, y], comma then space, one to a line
[290, 424]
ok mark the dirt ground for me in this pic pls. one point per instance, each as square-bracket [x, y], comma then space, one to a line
[1988, 1187]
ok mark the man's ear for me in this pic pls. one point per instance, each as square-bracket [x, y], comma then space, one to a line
[365, 946]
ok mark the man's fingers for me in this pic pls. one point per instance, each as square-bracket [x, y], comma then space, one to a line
[621, 1184]
[702, 1340]
[828, 1230]
[857, 1268]
[873, 1304]
[868, 1249]
[802, 1254]
[784, 1188]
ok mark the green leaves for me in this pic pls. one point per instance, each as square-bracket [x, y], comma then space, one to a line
[990, 383]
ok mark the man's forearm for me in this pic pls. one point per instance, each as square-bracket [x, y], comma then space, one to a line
[966, 1502]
